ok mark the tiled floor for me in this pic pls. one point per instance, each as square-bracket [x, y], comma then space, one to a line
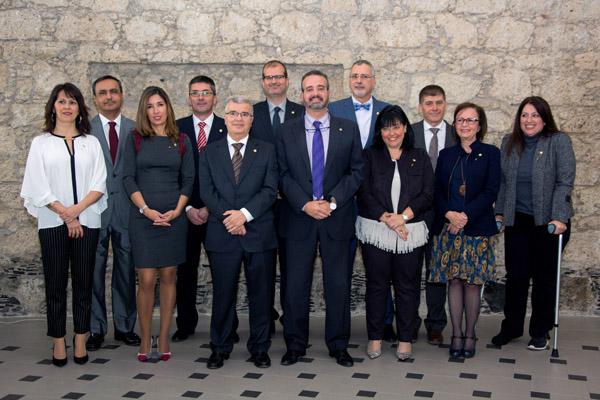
[509, 373]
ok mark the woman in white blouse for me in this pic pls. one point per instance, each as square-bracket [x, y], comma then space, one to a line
[65, 189]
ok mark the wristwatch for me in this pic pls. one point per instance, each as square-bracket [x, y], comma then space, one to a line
[332, 204]
[405, 217]
[143, 208]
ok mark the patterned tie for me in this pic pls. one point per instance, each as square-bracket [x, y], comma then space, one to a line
[276, 119]
[113, 140]
[236, 161]
[318, 162]
[433, 147]
[201, 136]
[358, 106]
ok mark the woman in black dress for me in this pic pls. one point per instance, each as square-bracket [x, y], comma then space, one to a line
[158, 177]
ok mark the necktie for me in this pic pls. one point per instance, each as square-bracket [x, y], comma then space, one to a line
[236, 161]
[358, 106]
[276, 119]
[433, 147]
[113, 140]
[201, 136]
[318, 162]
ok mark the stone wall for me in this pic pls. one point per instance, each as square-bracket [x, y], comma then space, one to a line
[493, 52]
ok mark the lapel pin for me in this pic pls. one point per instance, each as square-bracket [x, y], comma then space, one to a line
[220, 130]
[541, 152]
[341, 129]
[479, 154]
[293, 112]
[254, 150]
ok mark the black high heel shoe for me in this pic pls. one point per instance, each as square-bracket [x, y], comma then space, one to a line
[59, 362]
[469, 353]
[456, 353]
[79, 360]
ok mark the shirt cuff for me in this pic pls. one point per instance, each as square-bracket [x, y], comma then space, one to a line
[247, 214]
[187, 208]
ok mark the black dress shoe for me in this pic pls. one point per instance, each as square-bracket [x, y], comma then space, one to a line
[129, 338]
[342, 358]
[388, 334]
[261, 360]
[235, 337]
[180, 336]
[503, 338]
[94, 342]
[291, 357]
[215, 361]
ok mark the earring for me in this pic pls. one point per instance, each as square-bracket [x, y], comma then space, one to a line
[78, 120]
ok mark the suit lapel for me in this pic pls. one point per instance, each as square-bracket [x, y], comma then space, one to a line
[217, 130]
[450, 140]
[377, 107]
[419, 132]
[123, 132]
[225, 160]
[250, 154]
[335, 135]
[290, 111]
[99, 133]
[299, 137]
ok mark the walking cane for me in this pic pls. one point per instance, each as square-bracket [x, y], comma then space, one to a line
[551, 229]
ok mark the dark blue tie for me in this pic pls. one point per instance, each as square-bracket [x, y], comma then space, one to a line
[358, 106]
[318, 162]
[276, 120]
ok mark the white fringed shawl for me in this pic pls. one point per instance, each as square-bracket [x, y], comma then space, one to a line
[379, 235]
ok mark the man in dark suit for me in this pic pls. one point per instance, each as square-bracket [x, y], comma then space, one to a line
[320, 161]
[433, 134]
[239, 178]
[202, 127]
[268, 117]
[111, 129]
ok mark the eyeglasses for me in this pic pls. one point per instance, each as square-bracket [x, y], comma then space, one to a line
[468, 121]
[200, 93]
[361, 76]
[235, 114]
[274, 77]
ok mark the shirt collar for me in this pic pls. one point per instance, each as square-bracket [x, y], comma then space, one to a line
[308, 121]
[105, 120]
[426, 126]
[273, 105]
[208, 120]
[230, 140]
[370, 101]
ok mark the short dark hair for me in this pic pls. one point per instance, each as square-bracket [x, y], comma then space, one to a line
[314, 72]
[515, 141]
[480, 115]
[431, 90]
[390, 116]
[273, 63]
[82, 122]
[204, 79]
[105, 78]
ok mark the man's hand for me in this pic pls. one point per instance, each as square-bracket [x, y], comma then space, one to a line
[203, 213]
[560, 227]
[193, 215]
[234, 219]
[317, 209]
[241, 231]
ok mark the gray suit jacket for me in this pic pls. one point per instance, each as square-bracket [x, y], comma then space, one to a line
[419, 132]
[552, 179]
[117, 213]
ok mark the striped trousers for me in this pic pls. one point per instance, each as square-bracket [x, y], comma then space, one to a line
[58, 252]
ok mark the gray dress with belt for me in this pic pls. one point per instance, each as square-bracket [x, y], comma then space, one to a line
[161, 172]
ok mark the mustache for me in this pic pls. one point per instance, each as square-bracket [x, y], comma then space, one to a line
[315, 97]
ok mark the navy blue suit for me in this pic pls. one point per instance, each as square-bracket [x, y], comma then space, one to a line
[345, 109]
[342, 178]
[187, 273]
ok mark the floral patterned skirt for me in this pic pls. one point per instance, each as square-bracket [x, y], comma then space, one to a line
[469, 258]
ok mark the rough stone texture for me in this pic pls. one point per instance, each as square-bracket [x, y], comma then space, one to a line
[493, 52]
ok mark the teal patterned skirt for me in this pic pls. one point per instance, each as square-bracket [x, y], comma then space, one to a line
[469, 258]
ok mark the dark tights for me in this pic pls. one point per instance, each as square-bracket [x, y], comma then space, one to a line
[465, 297]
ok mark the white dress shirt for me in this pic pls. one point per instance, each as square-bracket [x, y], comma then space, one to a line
[230, 143]
[208, 121]
[104, 121]
[429, 135]
[363, 118]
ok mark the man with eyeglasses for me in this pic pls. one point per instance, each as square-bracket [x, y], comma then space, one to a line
[433, 134]
[202, 127]
[268, 117]
[239, 179]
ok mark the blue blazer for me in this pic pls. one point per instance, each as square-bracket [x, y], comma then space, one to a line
[261, 124]
[482, 178]
[345, 109]
[217, 132]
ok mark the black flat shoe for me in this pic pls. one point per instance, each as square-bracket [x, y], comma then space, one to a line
[455, 352]
[79, 360]
[180, 336]
[94, 342]
[291, 357]
[216, 360]
[342, 358]
[129, 338]
[261, 360]
[59, 362]
[503, 338]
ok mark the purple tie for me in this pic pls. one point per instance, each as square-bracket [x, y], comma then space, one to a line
[318, 162]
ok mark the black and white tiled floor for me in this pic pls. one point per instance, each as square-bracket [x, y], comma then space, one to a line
[510, 373]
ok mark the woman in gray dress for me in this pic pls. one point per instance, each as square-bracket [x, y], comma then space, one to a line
[158, 177]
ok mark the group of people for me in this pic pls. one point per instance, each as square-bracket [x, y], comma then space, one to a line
[277, 181]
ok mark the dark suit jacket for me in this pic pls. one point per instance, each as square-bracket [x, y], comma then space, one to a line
[342, 178]
[217, 132]
[416, 178]
[256, 191]
[345, 109]
[482, 178]
[261, 125]
[418, 129]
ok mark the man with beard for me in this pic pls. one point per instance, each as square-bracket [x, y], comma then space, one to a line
[320, 165]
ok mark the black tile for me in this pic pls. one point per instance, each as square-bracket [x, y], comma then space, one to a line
[190, 394]
[412, 375]
[456, 360]
[13, 397]
[365, 393]
[250, 393]
[87, 377]
[423, 393]
[525, 377]
[558, 361]
[304, 375]
[144, 377]
[252, 375]
[358, 375]
[133, 395]
[593, 348]
[595, 396]
[308, 393]
[45, 361]
[205, 346]
[73, 395]
[466, 375]
[305, 359]
[444, 345]
[540, 395]
[353, 346]
[493, 346]
[481, 393]
[197, 375]
[507, 360]
[100, 361]
[10, 348]
[30, 378]
[201, 360]
[577, 377]
[358, 359]
[111, 346]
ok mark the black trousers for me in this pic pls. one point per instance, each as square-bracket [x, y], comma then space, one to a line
[404, 272]
[225, 270]
[531, 255]
[58, 253]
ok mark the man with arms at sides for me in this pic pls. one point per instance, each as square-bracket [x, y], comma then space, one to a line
[202, 127]
[320, 161]
[111, 128]
[433, 134]
[268, 117]
[239, 180]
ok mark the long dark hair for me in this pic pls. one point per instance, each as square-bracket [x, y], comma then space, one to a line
[390, 116]
[480, 116]
[143, 123]
[515, 141]
[82, 122]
